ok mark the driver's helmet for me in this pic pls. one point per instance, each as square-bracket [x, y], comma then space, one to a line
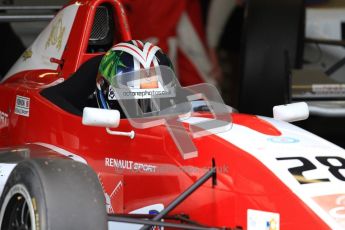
[120, 61]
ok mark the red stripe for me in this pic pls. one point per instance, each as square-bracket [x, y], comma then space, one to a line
[140, 45]
[125, 46]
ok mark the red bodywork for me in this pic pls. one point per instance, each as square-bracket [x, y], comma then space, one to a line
[242, 181]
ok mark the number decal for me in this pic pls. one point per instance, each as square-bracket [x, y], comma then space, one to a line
[334, 169]
[297, 172]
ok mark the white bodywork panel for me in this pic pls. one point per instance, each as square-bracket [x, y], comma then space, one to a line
[49, 44]
[7, 168]
[326, 199]
[5, 171]
[144, 210]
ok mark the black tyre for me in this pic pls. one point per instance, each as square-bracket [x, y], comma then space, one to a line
[53, 194]
[272, 46]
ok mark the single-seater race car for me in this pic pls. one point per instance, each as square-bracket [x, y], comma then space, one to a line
[185, 161]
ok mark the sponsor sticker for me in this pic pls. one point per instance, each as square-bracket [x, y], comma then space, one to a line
[334, 205]
[112, 186]
[133, 166]
[22, 106]
[260, 220]
[328, 88]
[111, 94]
[27, 54]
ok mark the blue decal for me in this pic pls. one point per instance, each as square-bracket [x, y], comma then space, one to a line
[154, 212]
[284, 140]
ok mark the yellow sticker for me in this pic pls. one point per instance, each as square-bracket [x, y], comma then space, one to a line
[27, 54]
[56, 35]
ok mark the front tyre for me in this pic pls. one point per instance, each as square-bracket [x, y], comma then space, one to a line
[52, 194]
[19, 212]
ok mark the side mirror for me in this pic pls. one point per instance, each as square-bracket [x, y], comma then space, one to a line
[291, 112]
[101, 117]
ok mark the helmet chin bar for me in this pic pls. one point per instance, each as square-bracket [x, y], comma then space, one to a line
[130, 134]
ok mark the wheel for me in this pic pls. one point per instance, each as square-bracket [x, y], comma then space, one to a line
[52, 194]
[272, 46]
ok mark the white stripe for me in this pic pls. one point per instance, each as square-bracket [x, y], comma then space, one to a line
[123, 44]
[136, 64]
[218, 15]
[152, 56]
[135, 42]
[112, 225]
[156, 64]
[136, 48]
[131, 52]
[140, 55]
[191, 45]
[62, 152]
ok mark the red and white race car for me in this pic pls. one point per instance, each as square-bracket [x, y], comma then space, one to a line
[58, 173]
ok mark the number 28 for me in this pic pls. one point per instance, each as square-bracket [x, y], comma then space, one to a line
[307, 165]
